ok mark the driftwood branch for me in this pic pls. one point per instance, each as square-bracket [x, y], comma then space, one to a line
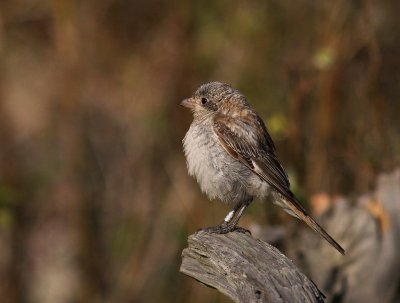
[246, 269]
[368, 227]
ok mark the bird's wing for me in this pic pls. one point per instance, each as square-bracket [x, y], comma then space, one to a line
[249, 142]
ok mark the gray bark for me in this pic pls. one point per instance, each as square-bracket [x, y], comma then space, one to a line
[368, 227]
[246, 269]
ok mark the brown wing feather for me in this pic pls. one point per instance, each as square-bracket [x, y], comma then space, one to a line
[258, 154]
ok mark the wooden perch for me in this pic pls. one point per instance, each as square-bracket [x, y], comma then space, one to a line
[246, 269]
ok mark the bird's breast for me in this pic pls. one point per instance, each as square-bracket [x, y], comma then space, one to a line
[202, 156]
[218, 174]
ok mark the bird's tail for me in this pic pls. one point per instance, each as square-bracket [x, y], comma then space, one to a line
[294, 208]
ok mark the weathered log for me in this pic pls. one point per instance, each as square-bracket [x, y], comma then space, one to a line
[368, 227]
[246, 269]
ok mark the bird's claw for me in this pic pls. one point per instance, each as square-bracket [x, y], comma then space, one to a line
[224, 229]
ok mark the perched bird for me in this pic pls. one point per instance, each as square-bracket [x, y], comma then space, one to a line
[232, 156]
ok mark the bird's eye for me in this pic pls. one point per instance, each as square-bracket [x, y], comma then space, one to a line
[204, 100]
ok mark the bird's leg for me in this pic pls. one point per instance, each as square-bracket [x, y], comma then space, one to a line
[230, 221]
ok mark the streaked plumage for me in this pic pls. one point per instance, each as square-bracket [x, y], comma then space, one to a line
[232, 156]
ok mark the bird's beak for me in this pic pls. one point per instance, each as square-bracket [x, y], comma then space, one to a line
[189, 103]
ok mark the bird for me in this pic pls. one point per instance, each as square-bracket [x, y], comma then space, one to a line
[232, 156]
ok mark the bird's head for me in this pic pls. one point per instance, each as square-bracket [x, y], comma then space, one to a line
[212, 98]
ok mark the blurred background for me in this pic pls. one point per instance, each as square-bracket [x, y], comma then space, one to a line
[95, 201]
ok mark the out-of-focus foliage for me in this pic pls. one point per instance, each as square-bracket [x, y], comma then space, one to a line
[95, 201]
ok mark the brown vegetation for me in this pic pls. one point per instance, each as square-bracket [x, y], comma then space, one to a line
[95, 201]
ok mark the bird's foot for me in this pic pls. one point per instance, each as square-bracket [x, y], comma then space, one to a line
[242, 230]
[224, 228]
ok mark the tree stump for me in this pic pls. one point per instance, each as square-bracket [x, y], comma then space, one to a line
[246, 269]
